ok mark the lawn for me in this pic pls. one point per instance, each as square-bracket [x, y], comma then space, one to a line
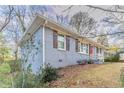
[91, 76]
[5, 77]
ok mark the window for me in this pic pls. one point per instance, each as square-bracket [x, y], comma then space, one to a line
[61, 42]
[81, 48]
[77, 45]
[100, 50]
[97, 50]
[67, 43]
[84, 48]
[87, 48]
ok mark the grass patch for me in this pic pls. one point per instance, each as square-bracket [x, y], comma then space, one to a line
[5, 80]
[4, 68]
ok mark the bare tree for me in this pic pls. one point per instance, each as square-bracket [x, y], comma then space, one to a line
[115, 17]
[82, 22]
[13, 31]
[20, 16]
[117, 9]
[103, 40]
[6, 17]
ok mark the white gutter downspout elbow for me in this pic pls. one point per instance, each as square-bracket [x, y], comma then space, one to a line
[44, 43]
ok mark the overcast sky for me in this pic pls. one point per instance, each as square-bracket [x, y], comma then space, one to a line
[97, 14]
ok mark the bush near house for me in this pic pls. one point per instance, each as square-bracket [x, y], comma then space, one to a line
[83, 62]
[27, 79]
[114, 58]
[48, 74]
[14, 65]
[91, 61]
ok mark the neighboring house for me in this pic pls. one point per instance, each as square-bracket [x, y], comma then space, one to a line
[109, 53]
[121, 58]
[47, 41]
[121, 54]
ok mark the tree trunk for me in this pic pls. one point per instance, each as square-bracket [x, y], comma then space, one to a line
[16, 54]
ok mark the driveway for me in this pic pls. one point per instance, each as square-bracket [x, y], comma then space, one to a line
[91, 75]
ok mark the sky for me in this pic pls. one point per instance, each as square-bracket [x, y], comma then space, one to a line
[97, 14]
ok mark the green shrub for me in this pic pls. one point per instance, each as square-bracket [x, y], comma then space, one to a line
[48, 74]
[22, 78]
[90, 61]
[108, 59]
[30, 80]
[25, 79]
[15, 65]
[4, 68]
[114, 58]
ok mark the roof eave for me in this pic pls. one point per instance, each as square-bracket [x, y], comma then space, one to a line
[39, 20]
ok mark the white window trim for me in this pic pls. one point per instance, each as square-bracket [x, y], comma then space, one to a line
[63, 49]
[81, 47]
[100, 54]
[83, 50]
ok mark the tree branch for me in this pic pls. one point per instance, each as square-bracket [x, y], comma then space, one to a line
[7, 19]
[122, 32]
[67, 8]
[107, 10]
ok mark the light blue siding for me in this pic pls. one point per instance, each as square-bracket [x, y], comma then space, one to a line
[32, 53]
[60, 58]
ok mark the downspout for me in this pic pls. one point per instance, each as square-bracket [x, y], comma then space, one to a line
[89, 52]
[44, 43]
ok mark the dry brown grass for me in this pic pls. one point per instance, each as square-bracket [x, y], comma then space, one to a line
[91, 76]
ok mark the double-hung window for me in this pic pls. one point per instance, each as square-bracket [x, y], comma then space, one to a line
[61, 42]
[84, 48]
[87, 48]
[97, 50]
[81, 47]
